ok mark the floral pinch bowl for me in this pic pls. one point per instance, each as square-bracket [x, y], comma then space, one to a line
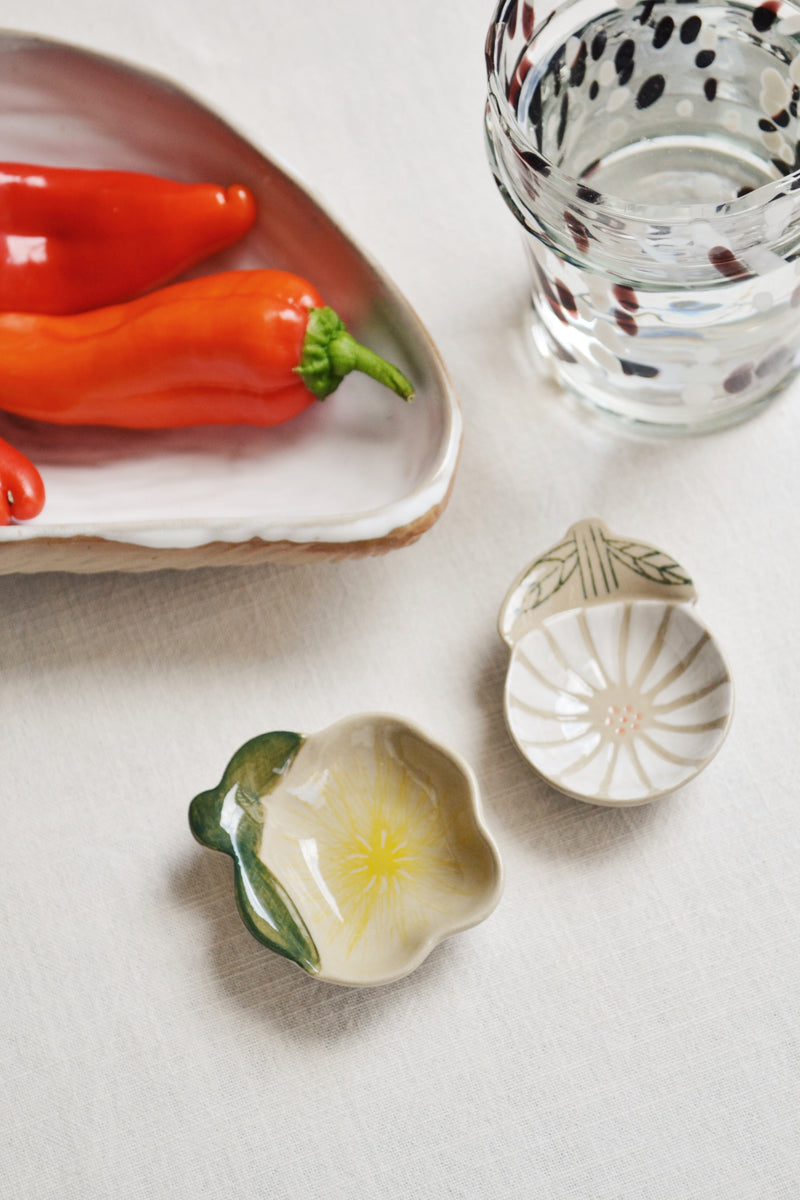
[356, 849]
[616, 692]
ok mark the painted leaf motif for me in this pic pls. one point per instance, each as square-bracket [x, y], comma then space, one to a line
[548, 574]
[648, 562]
[256, 768]
[258, 764]
[266, 908]
[250, 804]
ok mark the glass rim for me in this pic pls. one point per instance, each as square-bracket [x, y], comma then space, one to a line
[607, 203]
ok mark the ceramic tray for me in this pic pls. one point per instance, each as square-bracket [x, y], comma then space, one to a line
[362, 473]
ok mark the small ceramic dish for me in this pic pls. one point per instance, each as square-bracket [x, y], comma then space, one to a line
[361, 474]
[357, 849]
[616, 692]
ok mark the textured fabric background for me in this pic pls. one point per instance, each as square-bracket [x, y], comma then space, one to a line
[625, 1026]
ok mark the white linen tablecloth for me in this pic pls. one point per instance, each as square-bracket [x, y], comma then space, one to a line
[625, 1026]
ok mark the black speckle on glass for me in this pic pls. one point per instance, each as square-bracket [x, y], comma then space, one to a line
[578, 68]
[588, 194]
[793, 108]
[623, 60]
[766, 125]
[663, 32]
[554, 69]
[535, 106]
[739, 379]
[634, 368]
[562, 122]
[781, 118]
[625, 52]
[743, 191]
[764, 16]
[704, 58]
[598, 45]
[781, 166]
[690, 29]
[650, 91]
[511, 19]
[535, 113]
[710, 88]
[535, 163]
[594, 88]
[647, 8]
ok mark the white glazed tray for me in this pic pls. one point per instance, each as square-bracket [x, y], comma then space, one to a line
[362, 473]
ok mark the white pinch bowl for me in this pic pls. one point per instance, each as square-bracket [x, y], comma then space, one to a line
[616, 692]
[363, 473]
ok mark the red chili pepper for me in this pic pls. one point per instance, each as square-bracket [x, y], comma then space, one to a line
[73, 239]
[21, 487]
[237, 348]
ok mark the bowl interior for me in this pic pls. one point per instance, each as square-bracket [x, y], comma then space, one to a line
[619, 703]
[375, 833]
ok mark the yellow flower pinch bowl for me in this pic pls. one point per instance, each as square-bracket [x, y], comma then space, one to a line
[356, 849]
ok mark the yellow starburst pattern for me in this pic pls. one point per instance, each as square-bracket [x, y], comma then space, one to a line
[379, 863]
[386, 855]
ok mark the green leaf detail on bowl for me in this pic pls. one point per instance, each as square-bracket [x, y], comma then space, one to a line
[647, 561]
[550, 572]
[590, 565]
[593, 554]
[230, 818]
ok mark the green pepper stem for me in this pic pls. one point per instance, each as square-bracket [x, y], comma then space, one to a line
[330, 353]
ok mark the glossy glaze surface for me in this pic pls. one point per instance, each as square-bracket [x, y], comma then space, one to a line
[616, 692]
[346, 473]
[619, 703]
[357, 849]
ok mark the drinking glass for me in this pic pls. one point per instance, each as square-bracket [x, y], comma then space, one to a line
[650, 152]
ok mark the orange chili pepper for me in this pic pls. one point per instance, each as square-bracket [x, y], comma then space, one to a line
[75, 239]
[241, 347]
[21, 487]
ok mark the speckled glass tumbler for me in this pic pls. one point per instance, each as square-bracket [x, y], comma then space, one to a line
[650, 151]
